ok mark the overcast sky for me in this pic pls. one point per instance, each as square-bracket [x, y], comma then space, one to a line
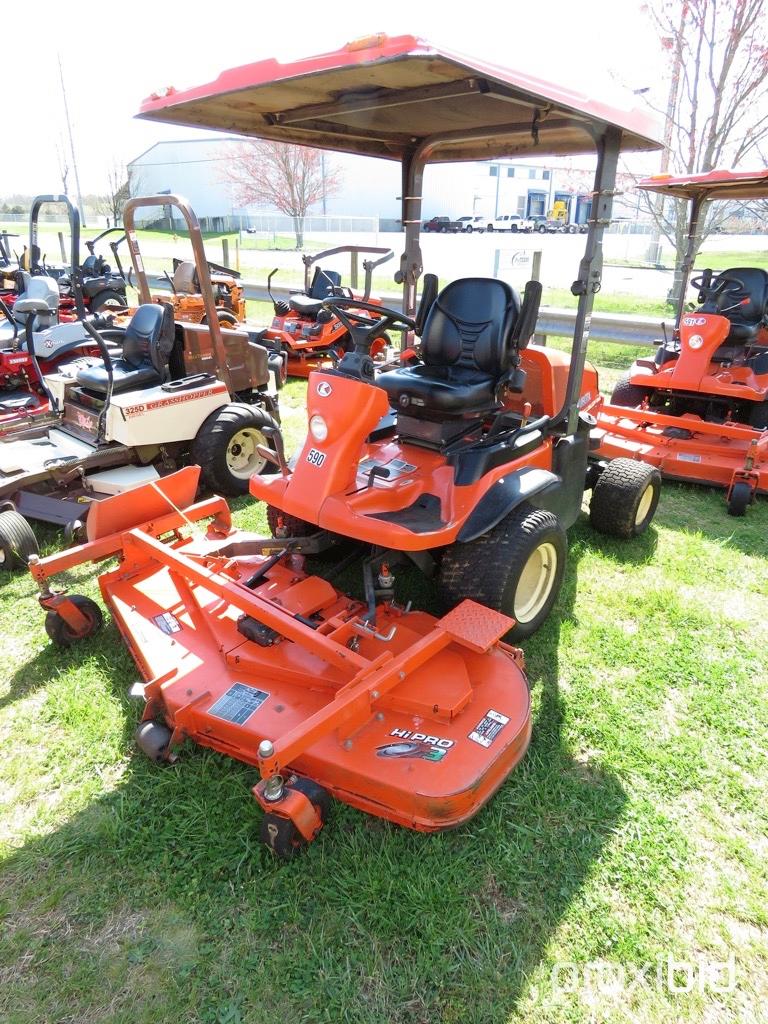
[114, 55]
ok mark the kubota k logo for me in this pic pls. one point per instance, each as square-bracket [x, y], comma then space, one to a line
[324, 389]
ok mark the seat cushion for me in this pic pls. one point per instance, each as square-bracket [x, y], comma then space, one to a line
[305, 306]
[440, 389]
[125, 377]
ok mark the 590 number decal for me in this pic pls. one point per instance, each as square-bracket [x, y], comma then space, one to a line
[315, 458]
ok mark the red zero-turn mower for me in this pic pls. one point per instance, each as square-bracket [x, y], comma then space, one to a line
[306, 330]
[409, 717]
[699, 410]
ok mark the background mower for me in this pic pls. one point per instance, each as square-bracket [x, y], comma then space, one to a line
[174, 392]
[305, 329]
[187, 299]
[411, 718]
[699, 409]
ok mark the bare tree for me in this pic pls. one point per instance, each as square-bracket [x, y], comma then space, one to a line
[291, 179]
[114, 200]
[717, 111]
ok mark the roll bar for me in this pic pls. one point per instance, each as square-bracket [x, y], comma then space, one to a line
[74, 231]
[368, 265]
[201, 265]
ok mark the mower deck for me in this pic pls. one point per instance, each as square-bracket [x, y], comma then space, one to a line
[686, 447]
[415, 719]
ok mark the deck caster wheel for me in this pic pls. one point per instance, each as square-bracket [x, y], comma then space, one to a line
[280, 834]
[624, 499]
[152, 739]
[17, 541]
[60, 631]
[740, 498]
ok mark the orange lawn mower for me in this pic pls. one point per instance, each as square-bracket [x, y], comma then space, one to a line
[699, 409]
[187, 299]
[469, 465]
[307, 331]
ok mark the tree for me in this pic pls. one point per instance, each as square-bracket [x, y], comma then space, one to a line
[291, 179]
[717, 109]
[114, 200]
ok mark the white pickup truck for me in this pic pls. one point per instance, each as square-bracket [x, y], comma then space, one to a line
[510, 222]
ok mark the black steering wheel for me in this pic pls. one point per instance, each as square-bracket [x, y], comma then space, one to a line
[356, 323]
[723, 293]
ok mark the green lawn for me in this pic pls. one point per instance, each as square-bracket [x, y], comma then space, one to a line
[634, 830]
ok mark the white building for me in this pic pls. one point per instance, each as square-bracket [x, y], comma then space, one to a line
[370, 187]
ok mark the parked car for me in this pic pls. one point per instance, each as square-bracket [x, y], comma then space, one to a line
[545, 226]
[470, 224]
[442, 224]
[510, 222]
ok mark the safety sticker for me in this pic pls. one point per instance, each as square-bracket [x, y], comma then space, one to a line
[396, 467]
[168, 623]
[488, 728]
[238, 703]
[686, 457]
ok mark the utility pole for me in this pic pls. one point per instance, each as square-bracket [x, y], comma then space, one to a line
[71, 145]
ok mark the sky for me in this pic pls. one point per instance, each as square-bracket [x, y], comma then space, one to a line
[114, 56]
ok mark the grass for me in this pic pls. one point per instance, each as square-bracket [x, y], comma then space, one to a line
[634, 829]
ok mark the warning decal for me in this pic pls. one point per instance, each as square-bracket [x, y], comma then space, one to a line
[686, 457]
[168, 623]
[488, 728]
[238, 703]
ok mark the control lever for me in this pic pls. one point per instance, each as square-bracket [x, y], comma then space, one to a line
[375, 471]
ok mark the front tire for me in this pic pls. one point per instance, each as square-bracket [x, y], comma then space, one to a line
[17, 541]
[225, 447]
[628, 396]
[625, 498]
[516, 568]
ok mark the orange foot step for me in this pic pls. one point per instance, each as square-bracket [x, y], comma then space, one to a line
[475, 626]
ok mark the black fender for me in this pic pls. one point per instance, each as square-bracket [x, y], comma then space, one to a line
[505, 495]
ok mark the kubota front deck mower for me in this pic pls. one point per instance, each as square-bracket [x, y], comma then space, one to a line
[699, 409]
[411, 718]
[305, 329]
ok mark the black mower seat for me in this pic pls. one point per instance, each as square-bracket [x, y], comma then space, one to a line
[304, 305]
[466, 352]
[747, 320]
[144, 361]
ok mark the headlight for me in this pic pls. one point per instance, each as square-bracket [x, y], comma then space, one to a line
[318, 428]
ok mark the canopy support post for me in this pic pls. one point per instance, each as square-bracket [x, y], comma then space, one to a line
[411, 262]
[589, 280]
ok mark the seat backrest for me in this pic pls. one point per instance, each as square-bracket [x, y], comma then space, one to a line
[469, 326]
[149, 336]
[754, 281]
[185, 278]
[44, 289]
[323, 283]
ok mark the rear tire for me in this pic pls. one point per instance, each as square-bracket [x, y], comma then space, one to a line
[107, 299]
[292, 526]
[758, 416]
[225, 447]
[516, 568]
[630, 396]
[624, 499]
[740, 499]
[17, 541]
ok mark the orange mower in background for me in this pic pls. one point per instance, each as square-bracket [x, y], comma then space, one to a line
[187, 298]
[307, 331]
[699, 409]
[469, 465]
